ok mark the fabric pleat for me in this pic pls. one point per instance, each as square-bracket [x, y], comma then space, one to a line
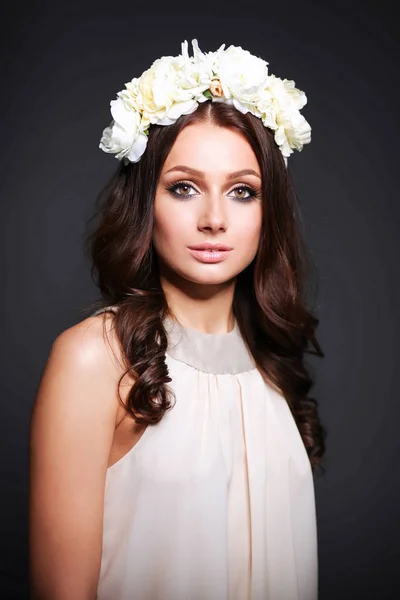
[216, 501]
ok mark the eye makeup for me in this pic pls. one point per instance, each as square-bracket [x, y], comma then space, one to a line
[251, 192]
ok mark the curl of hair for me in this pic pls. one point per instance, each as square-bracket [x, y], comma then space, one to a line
[269, 302]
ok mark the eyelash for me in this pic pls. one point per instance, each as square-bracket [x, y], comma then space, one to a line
[172, 190]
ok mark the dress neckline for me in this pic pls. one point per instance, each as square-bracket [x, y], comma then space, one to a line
[217, 353]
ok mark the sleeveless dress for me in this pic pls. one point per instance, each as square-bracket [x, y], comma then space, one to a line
[216, 501]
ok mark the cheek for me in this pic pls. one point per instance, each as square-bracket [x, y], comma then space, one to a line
[170, 225]
[250, 232]
[251, 240]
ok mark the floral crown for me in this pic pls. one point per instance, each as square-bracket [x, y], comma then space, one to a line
[175, 85]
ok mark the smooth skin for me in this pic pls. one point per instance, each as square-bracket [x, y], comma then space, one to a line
[78, 427]
[213, 208]
[71, 437]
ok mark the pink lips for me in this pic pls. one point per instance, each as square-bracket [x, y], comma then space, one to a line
[209, 253]
[210, 247]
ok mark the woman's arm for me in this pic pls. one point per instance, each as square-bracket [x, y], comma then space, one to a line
[71, 433]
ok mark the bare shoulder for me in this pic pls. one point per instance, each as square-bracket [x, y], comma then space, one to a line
[78, 388]
[72, 429]
[71, 434]
[92, 344]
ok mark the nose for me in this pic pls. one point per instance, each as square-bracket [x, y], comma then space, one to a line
[212, 214]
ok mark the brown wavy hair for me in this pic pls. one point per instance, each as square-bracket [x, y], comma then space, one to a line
[270, 294]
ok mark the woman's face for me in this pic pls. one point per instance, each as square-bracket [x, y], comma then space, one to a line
[202, 197]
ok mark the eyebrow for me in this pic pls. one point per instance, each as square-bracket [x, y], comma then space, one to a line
[202, 175]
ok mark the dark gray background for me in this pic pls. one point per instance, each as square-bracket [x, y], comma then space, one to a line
[59, 71]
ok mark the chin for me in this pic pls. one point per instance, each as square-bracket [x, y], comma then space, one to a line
[216, 278]
[202, 274]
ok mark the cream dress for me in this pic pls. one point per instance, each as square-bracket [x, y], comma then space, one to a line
[216, 501]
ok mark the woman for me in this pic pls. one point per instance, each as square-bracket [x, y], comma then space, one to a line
[173, 443]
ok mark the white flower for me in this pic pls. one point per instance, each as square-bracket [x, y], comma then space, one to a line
[242, 77]
[125, 136]
[284, 100]
[197, 70]
[292, 132]
[285, 94]
[174, 85]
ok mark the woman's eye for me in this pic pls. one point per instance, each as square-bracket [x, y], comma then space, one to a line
[180, 189]
[244, 192]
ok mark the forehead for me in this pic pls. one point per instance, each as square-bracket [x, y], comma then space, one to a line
[211, 148]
